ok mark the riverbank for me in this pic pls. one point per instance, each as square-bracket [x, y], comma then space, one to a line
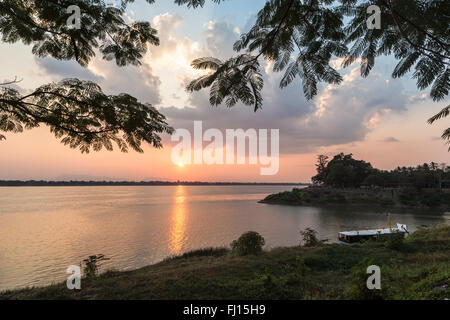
[415, 268]
[379, 196]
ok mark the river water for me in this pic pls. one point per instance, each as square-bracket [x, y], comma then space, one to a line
[43, 230]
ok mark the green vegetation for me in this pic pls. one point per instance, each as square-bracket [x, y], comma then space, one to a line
[344, 171]
[330, 196]
[249, 243]
[309, 237]
[341, 171]
[92, 265]
[344, 180]
[323, 196]
[205, 252]
[415, 269]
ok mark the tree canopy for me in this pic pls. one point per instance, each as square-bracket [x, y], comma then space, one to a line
[78, 112]
[344, 171]
[341, 171]
[300, 37]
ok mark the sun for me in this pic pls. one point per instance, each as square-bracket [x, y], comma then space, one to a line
[180, 164]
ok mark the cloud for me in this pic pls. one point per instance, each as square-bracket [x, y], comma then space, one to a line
[140, 82]
[390, 140]
[219, 39]
[416, 98]
[339, 115]
[14, 84]
[66, 69]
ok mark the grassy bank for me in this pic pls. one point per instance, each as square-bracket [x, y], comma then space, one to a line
[415, 268]
[383, 197]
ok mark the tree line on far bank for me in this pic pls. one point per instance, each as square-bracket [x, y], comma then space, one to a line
[345, 171]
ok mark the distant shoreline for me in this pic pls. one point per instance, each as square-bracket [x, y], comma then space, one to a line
[389, 197]
[35, 183]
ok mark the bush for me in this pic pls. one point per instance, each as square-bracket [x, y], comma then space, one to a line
[92, 265]
[309, 237]
[395, 242]
[249, 243]
[357, 290]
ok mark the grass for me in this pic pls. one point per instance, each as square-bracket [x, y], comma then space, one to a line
[415, 268]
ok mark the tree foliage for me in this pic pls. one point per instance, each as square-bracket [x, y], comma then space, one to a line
[321, 168]
[78, 112]
[82, 116]
[301, 37]
[91, 265]
[248, 243]
[432, 175]
[344, 171]
[309, 237]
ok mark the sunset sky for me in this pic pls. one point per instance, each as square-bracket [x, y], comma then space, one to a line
[378, 119]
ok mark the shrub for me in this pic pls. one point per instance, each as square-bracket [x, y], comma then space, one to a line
[357, 289]
[249, 243]
[91, 265]
[395, 242]
[309, 237]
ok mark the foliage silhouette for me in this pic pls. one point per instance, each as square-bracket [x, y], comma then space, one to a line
[248, 243]
[299, 37]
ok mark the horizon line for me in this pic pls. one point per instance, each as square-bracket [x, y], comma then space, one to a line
[12, 183]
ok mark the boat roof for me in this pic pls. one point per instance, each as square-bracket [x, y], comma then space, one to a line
[373, 232]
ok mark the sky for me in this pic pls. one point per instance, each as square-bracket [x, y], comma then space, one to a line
[378, 119]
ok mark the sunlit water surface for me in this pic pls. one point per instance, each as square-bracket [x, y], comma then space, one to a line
[43, 230]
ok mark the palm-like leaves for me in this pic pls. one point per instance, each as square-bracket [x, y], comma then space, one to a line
[83, 117]
[442, 114]
[300, 37]
[78, 112]
[282, 29]
[43, 24]
[237, 79]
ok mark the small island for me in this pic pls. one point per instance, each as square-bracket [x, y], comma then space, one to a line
[345, 180]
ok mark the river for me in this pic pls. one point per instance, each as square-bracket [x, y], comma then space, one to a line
[43, 230]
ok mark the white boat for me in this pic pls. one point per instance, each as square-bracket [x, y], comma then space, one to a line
[360, 235]
[368, 234]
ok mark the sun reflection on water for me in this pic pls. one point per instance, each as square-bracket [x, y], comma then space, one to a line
[178, 221]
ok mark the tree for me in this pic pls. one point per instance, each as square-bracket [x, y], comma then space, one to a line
[342, 171]
[309, 238]
[442, 114]
[321, 167]
[301, 37]
[78, 112]
[248, 243]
